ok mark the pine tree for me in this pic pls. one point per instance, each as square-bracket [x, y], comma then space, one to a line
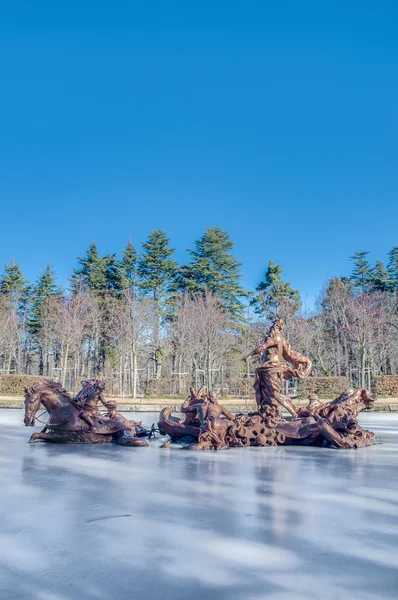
[156, 269]
[361, 275]
[90, 275]
[129, 264]
[275, 297]
[380, 278]
[14, 300]
[13, 285]
[393, 267]
[96, 273]
[338, 291]
[113, 272]
[214, 268]
[44, 289]
[43, 292]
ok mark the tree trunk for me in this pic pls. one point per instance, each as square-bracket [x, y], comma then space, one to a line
[9, 362]
[209, 382]
[363, 365]
[65, 365]
[179, 374]
[47, 360]
[41, 362]
[156, 339]
[135, 375]
[121, 390]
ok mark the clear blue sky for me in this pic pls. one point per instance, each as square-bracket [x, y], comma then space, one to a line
[276, 121]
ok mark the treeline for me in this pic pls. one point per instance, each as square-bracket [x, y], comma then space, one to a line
[152, 325]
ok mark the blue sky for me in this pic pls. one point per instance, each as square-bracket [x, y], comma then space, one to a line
[276, 121]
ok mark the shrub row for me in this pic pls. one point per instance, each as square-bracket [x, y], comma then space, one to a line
[165, 387]
[386, 385]
[326, 388]
[16, 384]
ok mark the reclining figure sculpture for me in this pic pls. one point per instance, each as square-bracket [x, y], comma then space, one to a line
[204, 418]
[211, 427]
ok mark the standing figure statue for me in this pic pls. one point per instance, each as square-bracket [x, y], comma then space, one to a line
[279, 362]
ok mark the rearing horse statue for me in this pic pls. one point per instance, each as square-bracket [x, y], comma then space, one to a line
[68, 422]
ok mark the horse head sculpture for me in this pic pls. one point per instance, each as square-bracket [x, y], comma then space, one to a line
[49, 393]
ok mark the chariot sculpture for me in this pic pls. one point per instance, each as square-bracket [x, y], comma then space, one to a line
[209, 426]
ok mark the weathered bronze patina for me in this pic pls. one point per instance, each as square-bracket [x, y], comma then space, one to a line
[79, 420]
[332, 424]
[279, 362]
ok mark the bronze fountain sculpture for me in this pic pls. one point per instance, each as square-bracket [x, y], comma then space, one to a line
[79, 420]
[207, 425]
[332, 424]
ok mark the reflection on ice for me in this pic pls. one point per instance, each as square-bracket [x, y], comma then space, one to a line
[96, 522]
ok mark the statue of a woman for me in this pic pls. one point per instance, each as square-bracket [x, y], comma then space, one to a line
[279, 362]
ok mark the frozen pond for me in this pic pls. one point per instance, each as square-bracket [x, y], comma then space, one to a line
[103, 522]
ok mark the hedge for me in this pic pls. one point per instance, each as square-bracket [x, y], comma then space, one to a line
[16, 384]
[167, 386]
[324, 387]
[327, 388]
[386, 385]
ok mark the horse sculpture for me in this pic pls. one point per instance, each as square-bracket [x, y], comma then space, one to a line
[78, 421]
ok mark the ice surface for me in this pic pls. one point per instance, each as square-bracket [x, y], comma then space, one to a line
[106, 522]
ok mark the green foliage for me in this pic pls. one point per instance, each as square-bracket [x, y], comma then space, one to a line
[337, 291]
[338, 336]
[98, 274]
[386, 386]
[90, 274]
[214, 268]
[393, 267]
[361, 274]
[380, 278]
[157, 272]
[377, 278]
[113, 273]
[14, 385]
[275, 297]
[129, 264]
[44, 289]
[156, 269]
[326, 388]
[13, 285]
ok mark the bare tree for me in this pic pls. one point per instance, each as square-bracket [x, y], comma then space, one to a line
[11, 333]
[130, 327]
[70, 322]
[203, 334]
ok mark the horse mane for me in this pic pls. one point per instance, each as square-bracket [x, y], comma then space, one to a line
[48, 383]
